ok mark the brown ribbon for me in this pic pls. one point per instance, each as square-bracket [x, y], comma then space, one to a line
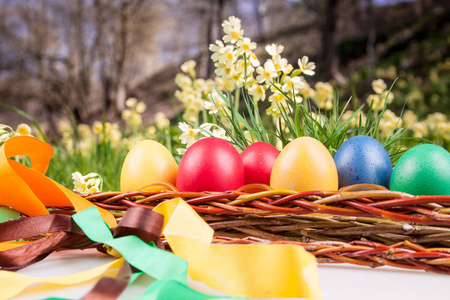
[60, 232]
[108, 288]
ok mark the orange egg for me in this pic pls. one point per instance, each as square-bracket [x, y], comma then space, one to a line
[305, 164]
[147, 162]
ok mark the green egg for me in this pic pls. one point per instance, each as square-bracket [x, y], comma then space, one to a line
[422, 170]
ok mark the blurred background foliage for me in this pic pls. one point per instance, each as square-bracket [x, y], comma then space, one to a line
[99, 75]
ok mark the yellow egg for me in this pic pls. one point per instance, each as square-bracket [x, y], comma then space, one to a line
[305, 164]
[147, 162]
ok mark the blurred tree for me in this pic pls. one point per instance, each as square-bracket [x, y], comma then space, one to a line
[60, 52]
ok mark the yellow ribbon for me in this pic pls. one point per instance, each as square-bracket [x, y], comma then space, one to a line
[244, 270]
[13, 283]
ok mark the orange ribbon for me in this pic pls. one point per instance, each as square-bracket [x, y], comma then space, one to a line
[28, 190]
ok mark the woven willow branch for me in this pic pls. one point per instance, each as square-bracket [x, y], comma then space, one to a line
[371, 227]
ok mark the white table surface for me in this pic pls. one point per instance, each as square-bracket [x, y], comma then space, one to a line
[338, 281]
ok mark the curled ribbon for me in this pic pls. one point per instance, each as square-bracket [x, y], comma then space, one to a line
[28, 190]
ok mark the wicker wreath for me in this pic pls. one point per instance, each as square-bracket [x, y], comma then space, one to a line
[361, 224]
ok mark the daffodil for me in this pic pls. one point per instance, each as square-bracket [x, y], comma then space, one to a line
[140, 107]
[183, 81]
[222, 71]
[97, 127]
[273, 111]
[6, 133]
[227, 56]
[409, 118]
[266, 74]
[199, 84]
[242, 67]
[161, 120]
[254, 61]
[281, 64]
[90, 183]
[232, 29]
[387, 96]
[292, 85]
[306, 67]
[188, 137]
[84, 130]
[376, 102]
[274, 49]
[245, 46]
[257, 92]
[277, 97]
[419, 129]
[131, 102]
[215, 48]
[217, 104]
[379, 86]
[23, 130]
[189, 67]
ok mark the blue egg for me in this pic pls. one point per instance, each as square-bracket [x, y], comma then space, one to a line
[362, 159]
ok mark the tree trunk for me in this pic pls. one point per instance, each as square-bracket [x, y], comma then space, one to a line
[372, 34]
[329, 55]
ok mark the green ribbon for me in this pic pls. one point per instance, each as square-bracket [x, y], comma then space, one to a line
[169, 270]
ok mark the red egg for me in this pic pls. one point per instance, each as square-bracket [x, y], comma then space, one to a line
[210, 164]
[258, 160]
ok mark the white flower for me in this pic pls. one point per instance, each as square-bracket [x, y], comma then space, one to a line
[140, 107]
[181, 151]
[379, 86]
[199, 84]
[266, 74]
[240, 68]
[376, 102]
[189, 67]
[227, 56]
[91, 183]
[232, 29]
[306, 67]
[389, 98]
[254, 60]
[257, 92]
[161, 120]
[6, 133]
[292, 84]
[23, 130]
[217, 104]
[274, 49]
[222, 71]
[188, 135]
[131, 102]
[281, 64]
[220, 133]
[277, 97]
[245, 46]
[183, 81]
[216, 48]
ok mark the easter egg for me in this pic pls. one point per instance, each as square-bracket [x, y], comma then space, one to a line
[305, 164]
[210, 164]
[147, 162]
[422, 170]
[258, 160]
[362, 159]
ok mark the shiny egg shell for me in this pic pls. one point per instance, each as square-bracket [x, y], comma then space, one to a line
[146, 163]
[423, 170]
[362, 159]
[305, 164]
[210, 164]
[258, 160]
